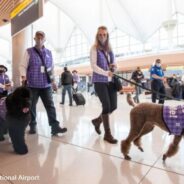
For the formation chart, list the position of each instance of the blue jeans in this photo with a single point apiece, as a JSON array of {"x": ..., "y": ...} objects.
[
  {"x": 137, "y": 93},
  {"x": 67, "y": 88},
  {"x": 46, "y": 96}
]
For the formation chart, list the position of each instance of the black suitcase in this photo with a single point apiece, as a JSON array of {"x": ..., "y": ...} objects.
[{"x": 79, "y": 99}]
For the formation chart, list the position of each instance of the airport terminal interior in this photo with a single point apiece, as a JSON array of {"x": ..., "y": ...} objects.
[{"x": 140, "y": 33}]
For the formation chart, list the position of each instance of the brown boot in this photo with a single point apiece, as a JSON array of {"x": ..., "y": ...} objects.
[
  {"x": 96, "y": 122},
  {"x": 108, "y": 137}
]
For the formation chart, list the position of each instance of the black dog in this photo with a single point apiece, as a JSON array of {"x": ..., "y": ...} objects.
[{"x": 17, "y": 118}]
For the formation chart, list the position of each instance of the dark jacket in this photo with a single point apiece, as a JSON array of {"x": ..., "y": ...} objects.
[
  {"x": 66, "y": 78},
  {"x": 137, "y": 76}
]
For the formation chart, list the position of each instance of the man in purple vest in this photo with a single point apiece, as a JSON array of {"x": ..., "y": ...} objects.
[{"x": 34, "y": 71}]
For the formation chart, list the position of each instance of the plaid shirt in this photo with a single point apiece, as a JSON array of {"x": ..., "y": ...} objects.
[
  {"x": 102, "y": 63},
  {"x": 3, "y": 108},
  {"x": 174, "y": 119},
  {"x": 4, "y": 79},
  {"x": 35, "y": 78}
]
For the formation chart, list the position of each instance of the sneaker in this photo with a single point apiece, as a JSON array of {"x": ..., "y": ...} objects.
[
  {"x": 70, "y": 105},
  {"x": 61, "y": 103},
  {"x": 32, "y": 129},
  {"x": 57, "y": 129}
]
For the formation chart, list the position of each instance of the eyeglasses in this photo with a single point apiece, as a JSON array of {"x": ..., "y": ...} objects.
[{"x": 102, "y": 34}]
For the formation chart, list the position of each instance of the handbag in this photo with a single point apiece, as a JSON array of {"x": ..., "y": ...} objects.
[
  {"x": 117, "y": 83},
  {"x": 115, "y": 80},
  {"x": 49, "y": 73}
]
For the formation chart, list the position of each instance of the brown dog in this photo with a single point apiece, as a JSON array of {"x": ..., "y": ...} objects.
[{"x": 143, "y": 118}]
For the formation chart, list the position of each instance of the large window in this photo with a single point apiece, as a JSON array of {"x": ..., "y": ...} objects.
[
  {"x": 77, "y": 47},
  {"x": 77, "y": 50},
  {"x": 119, "y": 42},
  {"x": 69, "y": 45},
  {"x": 123, "y": 44},
  {"x": 168, "y": 39}
]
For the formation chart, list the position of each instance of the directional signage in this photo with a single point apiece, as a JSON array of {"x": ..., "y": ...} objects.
[{"x": 24, "y": 14}]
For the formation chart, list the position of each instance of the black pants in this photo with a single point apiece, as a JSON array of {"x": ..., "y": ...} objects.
[
  {"x": 107, "y": 95},
  {"x": 158, "y": 87},
  {"x": 3, "y": 94},
  {"x": 2, "y": 127},
  {"x": 182, "y": 91},
  {"x": 16, "y": 129},
  {"x": 46, "y": 96}
]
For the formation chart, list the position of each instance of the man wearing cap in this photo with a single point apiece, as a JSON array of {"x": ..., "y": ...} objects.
[
  {"x": 157, "y": 82},
  {"x": 34, "y": 70},
  {"x": 5, "y": 83}
]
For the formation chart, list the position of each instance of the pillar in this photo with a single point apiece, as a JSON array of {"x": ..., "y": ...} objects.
[{"x": 20, "y": 42}]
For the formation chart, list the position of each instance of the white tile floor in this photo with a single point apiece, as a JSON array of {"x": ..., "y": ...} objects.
[{"x": 81, "y": 156}]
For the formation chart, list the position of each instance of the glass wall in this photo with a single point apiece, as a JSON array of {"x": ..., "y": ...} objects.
[
  {"x": 77, "y": 48},
  {"x": 70, "y": 46},
  {"x": 124, "y": 45}
]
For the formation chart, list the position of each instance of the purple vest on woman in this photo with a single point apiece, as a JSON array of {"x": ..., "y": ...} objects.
[
  {"x": 35, "y": 78},
  {"x": 102, "y": 63},
  {"x": 4, "y": 79}
]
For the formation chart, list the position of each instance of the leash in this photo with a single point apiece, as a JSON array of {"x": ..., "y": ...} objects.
[{"x": 152, "y": 91}]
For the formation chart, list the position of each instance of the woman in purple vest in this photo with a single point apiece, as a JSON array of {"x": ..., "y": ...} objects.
[
  {"x": 34, "y": 69},
  {"x": 5, "y": 84},
  {"x": 102, "y": 63}
]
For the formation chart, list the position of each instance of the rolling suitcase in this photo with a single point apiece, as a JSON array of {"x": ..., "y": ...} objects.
[{"x": 78, "y": 98}]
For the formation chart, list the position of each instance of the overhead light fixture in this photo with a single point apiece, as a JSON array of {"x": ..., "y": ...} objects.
[{"x": 170, "y": 24}]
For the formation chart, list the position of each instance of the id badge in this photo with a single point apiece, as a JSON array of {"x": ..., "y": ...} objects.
[
  {"x": 42, "y": 69},
  {"x": 49, "y": 69}
]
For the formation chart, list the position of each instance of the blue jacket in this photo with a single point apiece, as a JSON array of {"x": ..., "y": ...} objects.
[{"x": 157, "y": 71}]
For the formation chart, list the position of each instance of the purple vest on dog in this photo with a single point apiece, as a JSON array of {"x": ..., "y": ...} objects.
[
  {"x": 174, "y": 119},
  {"x": 35, "y": 78},
  {"x": 102, "y": 63},
  {"x": 3, "y": 108}
]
